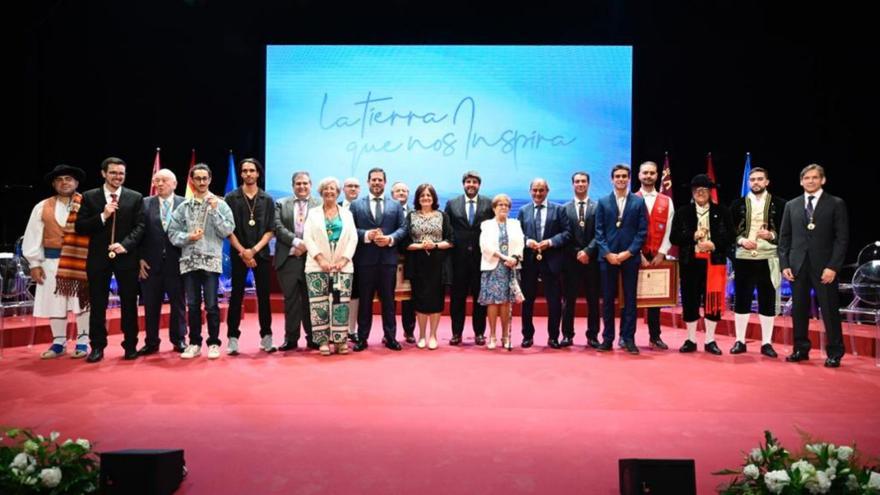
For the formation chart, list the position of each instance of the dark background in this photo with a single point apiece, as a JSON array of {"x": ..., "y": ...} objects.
[{"x": 790, "y": 84}]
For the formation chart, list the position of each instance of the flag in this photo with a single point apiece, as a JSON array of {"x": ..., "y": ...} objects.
[
  {"x": 710, "y": 171},
  {"x": 666, "y": 177},
  {"x": 156, "y": 167},
  {"x": 230, "y": 175},
  {"x": 747, "y": 170},
  {"x": 226, "y": 276},
  {"x": 190, "y": 190}
]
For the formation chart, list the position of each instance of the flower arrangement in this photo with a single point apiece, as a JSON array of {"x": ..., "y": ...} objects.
[
  {"x": 821, "y": 468},
  {"x": 31, "y": 463}
]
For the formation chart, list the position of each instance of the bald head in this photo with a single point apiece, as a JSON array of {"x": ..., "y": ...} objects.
[{"x": 165, "y": 182}]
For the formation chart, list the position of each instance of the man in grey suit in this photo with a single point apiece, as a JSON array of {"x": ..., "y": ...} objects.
[
  {"x": 290, "y": 259},
  {"x": 812, "y": 245}
]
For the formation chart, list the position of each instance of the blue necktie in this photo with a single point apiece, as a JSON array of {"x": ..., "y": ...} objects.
[
  {"x": 539, "y": 236},
  {"x": 470, "y": 211},
  {"x": 810, "y": 208}
]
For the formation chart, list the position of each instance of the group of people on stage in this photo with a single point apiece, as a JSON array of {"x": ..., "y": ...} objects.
[{"x": 338, "y": 248}]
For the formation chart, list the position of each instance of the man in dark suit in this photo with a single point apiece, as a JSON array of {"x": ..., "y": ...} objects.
[
  {"x": 581, "y": 261},
  {"x": 465, "y": 213},
  {"x": 621, "y": 227},
  {"x": 113, "y": 218},
  {"x": 381, "y": 227},
  {"x": 400, "y": 192},
  {"x": 160, "y": 266},
  {"x": 545, "y": 227},
  {"x": 812, "y": 245},
  {"x": 290, "y": 259}
]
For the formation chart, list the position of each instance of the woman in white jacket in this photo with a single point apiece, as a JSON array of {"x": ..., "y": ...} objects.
[
  {"x": 501, "y": 243},
  {"x": 331, "y": 239}
]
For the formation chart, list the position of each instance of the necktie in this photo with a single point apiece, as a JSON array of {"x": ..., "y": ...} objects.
[
  {"x": 113, "y": 197},
  {"x": 377, "y": 215},
  {"x": 470, "y": 211},
  {"x": 539, "y": 236},
  {"x": 300, "y": 218},
  {"x": 581, "y": 212},
  {"x": 165, "y": 209},
  {"x": 810, "y": 208}
]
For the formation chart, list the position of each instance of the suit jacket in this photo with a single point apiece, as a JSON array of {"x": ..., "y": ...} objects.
[
  {"x": 156, "y": 248},
  {"x": 555, "y": 228},
  {"x": 826, "y": 244},
  {"x": 581, "y": 238},
  {"x": 721, "y": 232},
  {"x": 285, "y": 225},
  {"x": 633, "y": 228},
  {"x": 129, "y": 227},
  {"x": 466, "y": 236},
  {"x": 392, "y": 223}
]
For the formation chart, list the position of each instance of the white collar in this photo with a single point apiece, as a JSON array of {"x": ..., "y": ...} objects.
[
  {"x": 756, "y": 199},
  {"x": 646, "y": 193},
  {"x": 816, "y": 195}
]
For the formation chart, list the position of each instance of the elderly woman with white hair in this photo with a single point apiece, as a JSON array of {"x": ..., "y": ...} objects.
[{"x": 331, "y": 239}]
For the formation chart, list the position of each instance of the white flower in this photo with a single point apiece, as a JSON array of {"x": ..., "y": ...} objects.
[
  {"x": 815, "y": 448},
  {"x": 805, "y": 469},
  {"x": 852, "y": 483},
  {"x": 751, "y": 471},
  {"x": 22, "y": 461},
  {"x": 82, "y": 442},
  {"x": 54, "y": 436},
  {"x": 756, "y": 455},
  {"x": 67, "y": 442},
  {"x": 772, "y": 449},
  {"x": 832, "y": 463},
  {"x": 50, "y": 477},
  {"x": 874, "y": 481},
  {"x": 821, "y": 484},
  {"x": 830, "y": 472},
  {"x": 31, "y": 480},
  {"x": 844, "y": 453},
  {"x": 832, "y": 450},
  {"x": 776, "y": 481},
  {"x": 31, "y": 446},
  {"x": 41, "y": 438}
]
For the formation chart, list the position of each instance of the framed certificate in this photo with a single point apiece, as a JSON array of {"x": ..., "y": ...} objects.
[{"x": 657, "y": 286}]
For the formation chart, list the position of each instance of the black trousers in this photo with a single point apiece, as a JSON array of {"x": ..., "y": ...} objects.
[
  {"x": 99, "y": 293},
  {"x": 575, "y": 277},
  {"x": 292, "y": 279},
  {"x": 693, "y": 290},
  {"x": 552, "y": 294},
  {"x": 373, "y": 279},
  {"x": 749, "y": 275},
  {"x": 261, "y": 280},
  {"x": 153, "y": 289},
  {"x": 408, "y": 316},
  {"x": 466, "y": 282},
  {"x": 809, "y": 277}
]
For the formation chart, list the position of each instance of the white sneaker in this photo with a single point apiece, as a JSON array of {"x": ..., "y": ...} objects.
[
  {"x": 213, "y": 351},
  {"x": 191, "y": 351},
  {"x": 232, "y": 346},
  {"x": 266, "y": 344}
]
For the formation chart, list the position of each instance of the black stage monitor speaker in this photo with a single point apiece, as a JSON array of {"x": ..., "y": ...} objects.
[
  {"x": 657, "y": 477},
  {"x": 142, "y": 471}
]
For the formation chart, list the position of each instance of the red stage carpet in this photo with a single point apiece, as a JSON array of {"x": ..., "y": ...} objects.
[{"x": 452, "y": 421}]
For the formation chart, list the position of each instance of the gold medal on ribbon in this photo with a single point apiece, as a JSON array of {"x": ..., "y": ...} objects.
[
  {"x": 111, "y": 254},
  {"x": 811, "y": 226}
]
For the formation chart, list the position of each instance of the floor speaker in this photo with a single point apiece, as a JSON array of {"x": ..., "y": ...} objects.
[
  {"x": 142, "y": 472},
  {"x": 657, "y": 477}
]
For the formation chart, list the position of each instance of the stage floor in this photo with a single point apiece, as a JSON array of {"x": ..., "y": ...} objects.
[{"x": 457, "y": 420}]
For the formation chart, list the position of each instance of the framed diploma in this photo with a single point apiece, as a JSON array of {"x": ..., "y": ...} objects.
[{"x": 657, "y": 286}]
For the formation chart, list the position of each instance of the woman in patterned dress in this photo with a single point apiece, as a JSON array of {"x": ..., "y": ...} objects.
[
  {"x": 427, "y": 264},
  {"x": 331, "y": 239},
  {"x": 501, "y": 242}
]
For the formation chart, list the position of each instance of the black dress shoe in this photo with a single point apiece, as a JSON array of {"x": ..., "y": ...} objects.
[
  {"x": 393, "y": 345},
  {"x": 526, "y": 343},
  {"x": 621, "y": 344},
  {"x": 311, "y": 345},
  {"x": 712, "y": 348},
  {"x": 553, "y": 344},
  {"x": 95, "y": 355},
  {"x": 478, "y": 340},
  {"x": 796, "y": 356},
  {"x": 631, "y": 347},
  {"x": 832, "y": 362},
  {"x": 566, "y": 342},
  {"x": 410, "y": 338},
  {"x": 688, "y": 346},
  {"x": 179, "y": 347},
  {"x": 605, "y": 346},
  {"x": 360, "y": 346},
  {"x": 593, "y": 342},
  {"x": 455, "y": 340},
  {"x": 288, "y": 346},
  {"x": 147, "y": 350},
  {"x": 659, "y": 344},
  {"x": 768, "y": 351},
  {"x": 130, "y": 355},
  {"x": 738, "y": 347}
]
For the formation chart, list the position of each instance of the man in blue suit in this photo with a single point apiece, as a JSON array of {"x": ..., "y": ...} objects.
[
  {"x": 381, "y": 227},
  {"x": 621, "y": 228},
  {"x": 545, "y": 227},
  {"x": 160, "y": 266}
]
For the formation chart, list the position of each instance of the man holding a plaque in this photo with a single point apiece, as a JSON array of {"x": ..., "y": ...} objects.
[
  {"x": 660, "y": 213},
  {"x": 621, "y": 227},
  {"x": 756, "y": 218},
  {"x": 703, "y": 233},
  {"x": 545, "y": 227},
  {"x": 812, "y": 245},
  {"x": 581, "y": 263},
  {"x": 113, "y": 218}
]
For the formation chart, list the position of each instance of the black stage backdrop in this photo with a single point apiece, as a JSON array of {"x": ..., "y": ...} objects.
[{"x": 792, "y": 85}]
